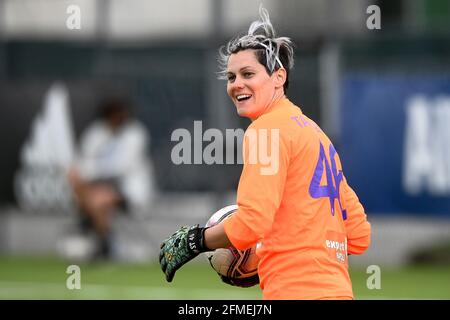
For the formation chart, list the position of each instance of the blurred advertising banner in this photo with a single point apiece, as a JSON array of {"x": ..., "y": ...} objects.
[
  {"x": 396, "y": 142},
  {"x": 40, "y": 123},
  {"x": 40, "y": 182}
]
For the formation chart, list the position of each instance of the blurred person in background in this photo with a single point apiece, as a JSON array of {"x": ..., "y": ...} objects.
[{"x": 112, "y": 172}]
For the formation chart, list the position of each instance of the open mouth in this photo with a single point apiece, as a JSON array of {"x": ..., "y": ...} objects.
[{"x": 243, "y": 97}]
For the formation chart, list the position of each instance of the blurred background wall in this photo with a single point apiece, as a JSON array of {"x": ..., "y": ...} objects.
[{"x": 383, "y": 96}]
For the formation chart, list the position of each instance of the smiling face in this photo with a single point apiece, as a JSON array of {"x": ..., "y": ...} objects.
[{"x": 252, "y": 90}]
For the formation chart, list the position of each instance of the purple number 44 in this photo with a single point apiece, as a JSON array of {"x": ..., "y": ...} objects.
[{"x": 331, "y": 189}]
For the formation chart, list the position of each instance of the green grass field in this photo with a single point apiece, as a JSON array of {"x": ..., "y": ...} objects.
[{"x": 45, "y": 278}]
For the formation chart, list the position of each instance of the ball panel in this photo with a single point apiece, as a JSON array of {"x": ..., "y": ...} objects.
[
  {"x": 231, "y": 262},
  {"x": 220, "y": 215}
]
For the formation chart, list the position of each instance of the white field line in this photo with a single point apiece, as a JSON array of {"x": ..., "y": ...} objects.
[
  {"x": 385, "y": 298},
  {"x": 32, "y": 290}
]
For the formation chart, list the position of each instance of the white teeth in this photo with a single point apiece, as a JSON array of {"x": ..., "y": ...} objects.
[{"x": 243, "y": 96}]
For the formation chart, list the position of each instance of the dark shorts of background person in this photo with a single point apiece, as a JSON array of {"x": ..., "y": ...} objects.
[
  {"x": 85, "y": 222},
  {"x": 123, "y": 203}
]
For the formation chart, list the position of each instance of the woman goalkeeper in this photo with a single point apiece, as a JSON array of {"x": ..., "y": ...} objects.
[{"x": 303, "y": 214}]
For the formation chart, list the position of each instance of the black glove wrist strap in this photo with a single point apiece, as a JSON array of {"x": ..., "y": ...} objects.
[{"x": 196, "y": 240}]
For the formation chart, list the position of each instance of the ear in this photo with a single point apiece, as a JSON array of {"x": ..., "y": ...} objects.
[{"x": 280, "y": 77}]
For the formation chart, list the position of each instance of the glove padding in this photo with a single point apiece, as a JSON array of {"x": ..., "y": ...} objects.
[
  {"x": 181, "y": 247},
  {"x": 241, "y": 282}
]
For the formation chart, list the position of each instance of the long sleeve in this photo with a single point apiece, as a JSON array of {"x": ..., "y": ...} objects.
[
  {"x": 261, "y": 186},
  {"x": 357, "y": 226}
]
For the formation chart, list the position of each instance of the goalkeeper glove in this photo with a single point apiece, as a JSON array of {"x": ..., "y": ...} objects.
[{"x": 181, "y": 247}]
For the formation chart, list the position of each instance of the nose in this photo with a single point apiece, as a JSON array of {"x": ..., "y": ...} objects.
[{"x": 236, "y": 84}]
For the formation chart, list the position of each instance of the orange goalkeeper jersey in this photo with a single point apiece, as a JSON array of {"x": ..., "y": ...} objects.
[{"x": 294, "y": 201}]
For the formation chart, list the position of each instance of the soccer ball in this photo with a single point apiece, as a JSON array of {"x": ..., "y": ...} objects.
[{"x": 235, "y": 267}]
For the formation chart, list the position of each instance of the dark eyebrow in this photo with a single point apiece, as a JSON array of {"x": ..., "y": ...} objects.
[
  {"x": 240, "y": 70},
  {"x": 244, "y": 68}
]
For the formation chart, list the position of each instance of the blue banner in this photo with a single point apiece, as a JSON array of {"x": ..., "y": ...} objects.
[{"x": 395, "y": 142}]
